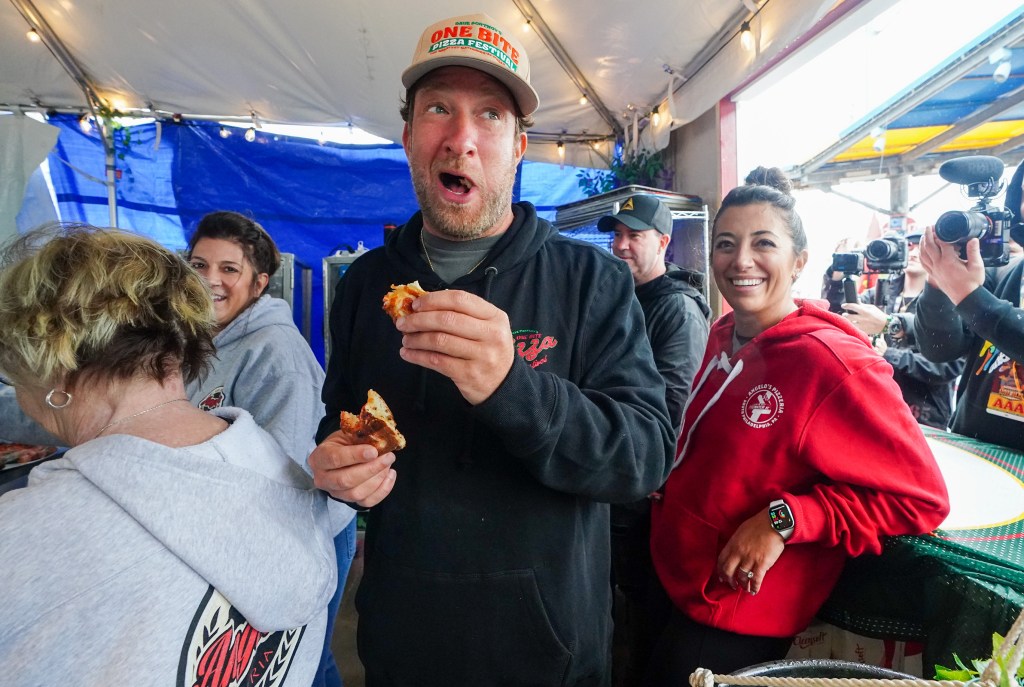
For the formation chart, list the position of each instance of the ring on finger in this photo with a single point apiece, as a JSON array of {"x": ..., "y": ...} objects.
[{"x": 749, "y": 574}]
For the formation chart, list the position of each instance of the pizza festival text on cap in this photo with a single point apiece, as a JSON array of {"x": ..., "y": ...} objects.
[
  {"x": 475, "y": 41},
  {"x": 485, "y": 38}
]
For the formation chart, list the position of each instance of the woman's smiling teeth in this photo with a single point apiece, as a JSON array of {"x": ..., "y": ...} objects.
[{"x": 746, "y": 282}]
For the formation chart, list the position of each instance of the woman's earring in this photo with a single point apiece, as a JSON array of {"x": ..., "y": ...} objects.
[{"x": 55, "y": 406}]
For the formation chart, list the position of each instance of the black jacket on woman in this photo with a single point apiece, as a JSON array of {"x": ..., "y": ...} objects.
[{"x": 488, "y": 563}]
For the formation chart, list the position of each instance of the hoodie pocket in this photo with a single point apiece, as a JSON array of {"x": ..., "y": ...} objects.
[
  {"x": 685, "y": 548},
  {"x": 425, "y": 628}
]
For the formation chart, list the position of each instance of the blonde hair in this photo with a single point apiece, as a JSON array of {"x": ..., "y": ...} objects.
[{"x": 77, "y": 301}]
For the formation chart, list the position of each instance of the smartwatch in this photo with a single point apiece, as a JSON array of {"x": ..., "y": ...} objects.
[
  {"x": 895, "y": 328},
  {"x": 782, "y": 518}
]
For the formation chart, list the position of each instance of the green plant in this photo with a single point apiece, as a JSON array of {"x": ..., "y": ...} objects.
[
  {"x": 964, "y": 673},
  {"x": 641, "y": 167},
  {"x": 120, "y": 135}
]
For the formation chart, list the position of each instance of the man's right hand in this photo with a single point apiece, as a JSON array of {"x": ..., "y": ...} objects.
[
  {"x": 352, "y": 473},
  {"x": 947, "y": 272}
]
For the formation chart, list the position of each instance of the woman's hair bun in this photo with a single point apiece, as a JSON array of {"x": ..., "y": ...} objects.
[{"x": 770, "y": 176}]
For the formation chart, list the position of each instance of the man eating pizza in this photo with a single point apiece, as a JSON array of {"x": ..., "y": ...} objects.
[{"x": 486, "y": 546}]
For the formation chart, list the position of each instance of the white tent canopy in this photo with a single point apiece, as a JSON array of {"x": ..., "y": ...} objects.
[{"x": 338, "y": 63}]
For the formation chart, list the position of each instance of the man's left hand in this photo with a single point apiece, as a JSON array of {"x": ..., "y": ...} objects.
[
  {"x": 463, "y": 337},
  {"x": 865, "y": 317}
]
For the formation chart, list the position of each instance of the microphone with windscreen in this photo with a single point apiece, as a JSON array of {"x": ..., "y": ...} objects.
[
  {"x": 973, "y": 169},
  {"x": 980, "y": 176}
]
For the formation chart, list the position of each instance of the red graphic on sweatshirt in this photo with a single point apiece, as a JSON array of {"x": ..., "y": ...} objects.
[
  {"x": 214, "y": 399},
  {"x": 530, "y": 344},
  {"x": 223, "y": 650},
  {"x": 763, "y": 406}
]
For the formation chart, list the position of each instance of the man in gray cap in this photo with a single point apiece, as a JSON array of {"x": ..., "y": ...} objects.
[
  {"x": 527, "y": 401},
  {"x": 676, "y": 318}
]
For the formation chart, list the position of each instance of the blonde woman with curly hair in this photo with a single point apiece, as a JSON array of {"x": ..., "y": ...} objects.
[{"x": 169, "y": 545}]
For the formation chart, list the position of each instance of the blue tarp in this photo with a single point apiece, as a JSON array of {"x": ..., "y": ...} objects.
[{"x": 312, "y": 198}]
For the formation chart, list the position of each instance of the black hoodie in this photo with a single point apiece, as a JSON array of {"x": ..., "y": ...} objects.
[
  {"x": 676, "y": 315},
  {"x": 488, "y": 563}
]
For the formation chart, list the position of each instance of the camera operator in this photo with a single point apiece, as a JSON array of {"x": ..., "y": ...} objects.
[
  {"x": 927, "y": 386},
  {"x": 966, "y": 309}
]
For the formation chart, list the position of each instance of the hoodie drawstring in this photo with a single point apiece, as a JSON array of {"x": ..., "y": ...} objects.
[
  {"x": 723, "y": 363},
  {"x": 489, "y": 274},
  {"x": 466, "y": 456}
]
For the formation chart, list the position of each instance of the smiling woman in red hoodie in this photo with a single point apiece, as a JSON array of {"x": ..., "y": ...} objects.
[{"x": 797, "y": 453}]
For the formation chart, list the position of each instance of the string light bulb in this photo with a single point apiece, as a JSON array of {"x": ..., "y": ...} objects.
[
  {"x": 878, "y": 139},
  {"x": 1001, "y": 57},
  {"x": 33, "y": 36},
  {"x": 85, "y": 124},
  {"x": 655, "y": 116},
  {"x": 583, "y": 99},
  {"x": 527, "y": 25},
  {"x": 224, "y": 132},
  {"x": 250, "y": 134},
  {"x": 746, "y": 36}
]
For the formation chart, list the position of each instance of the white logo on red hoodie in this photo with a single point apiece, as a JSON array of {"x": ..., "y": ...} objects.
[{"x": 763, "y": 406}]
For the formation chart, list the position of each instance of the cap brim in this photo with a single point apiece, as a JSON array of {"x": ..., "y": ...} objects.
[
  {"x": 526, "y": 98},
  {"x": 608, "y": 222}
]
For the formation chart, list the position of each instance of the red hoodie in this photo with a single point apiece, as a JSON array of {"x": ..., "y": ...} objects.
[{"x": 809, "y": 413}]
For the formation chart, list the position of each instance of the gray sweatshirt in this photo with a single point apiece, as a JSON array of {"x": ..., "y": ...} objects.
[
  {"x": 265, "y": 366},
  {"x": 128, "y": 562}
]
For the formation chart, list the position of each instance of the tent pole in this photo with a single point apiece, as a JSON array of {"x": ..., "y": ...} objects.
[
  {"x": 111, "y": 184},
  {"x": 107, "y": 136}
]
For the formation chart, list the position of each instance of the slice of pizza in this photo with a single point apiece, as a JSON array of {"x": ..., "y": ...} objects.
[
  {"x": 374, "y": 425},
  {"x": 398, "y": 301}
]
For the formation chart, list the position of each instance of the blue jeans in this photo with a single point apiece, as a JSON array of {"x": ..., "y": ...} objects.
[{"x": 345, "y": 548}]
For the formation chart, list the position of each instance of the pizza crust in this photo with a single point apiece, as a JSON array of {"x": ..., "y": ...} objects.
[
  {"x": 398, "y": 301},
  {"x": 374, "y": 425}
]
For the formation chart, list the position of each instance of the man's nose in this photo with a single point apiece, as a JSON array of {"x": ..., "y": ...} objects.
[{"x": 461, "y": 135}]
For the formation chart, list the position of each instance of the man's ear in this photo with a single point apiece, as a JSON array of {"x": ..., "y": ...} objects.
[{"x": 520, "y": 147}]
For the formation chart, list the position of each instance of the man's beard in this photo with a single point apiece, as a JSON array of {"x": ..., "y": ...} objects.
[{"x": 461, "y": 222}]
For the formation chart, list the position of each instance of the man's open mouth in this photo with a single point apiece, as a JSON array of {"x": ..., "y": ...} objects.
[{"x": 456, "y": 183}]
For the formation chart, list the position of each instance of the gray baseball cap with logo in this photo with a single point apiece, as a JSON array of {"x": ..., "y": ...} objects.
[{"x": 640, "y": 213}]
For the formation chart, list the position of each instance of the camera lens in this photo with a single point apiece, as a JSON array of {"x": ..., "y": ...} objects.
[
  {"x": 881, "y": 249},
  {"x": 956, "y": 226}
]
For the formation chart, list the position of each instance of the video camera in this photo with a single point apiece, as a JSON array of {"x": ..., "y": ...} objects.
[
  {"x": 887, "y": 255},
  {"x": 980, "y": 176}
]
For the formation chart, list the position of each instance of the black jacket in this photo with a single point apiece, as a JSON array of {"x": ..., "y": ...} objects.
[
  {"x": 987, "y": 327},
  {"x": 488, "y": 563},
  {"x": 927, "y": 386},
  {"x": 676, "y": 316}
]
